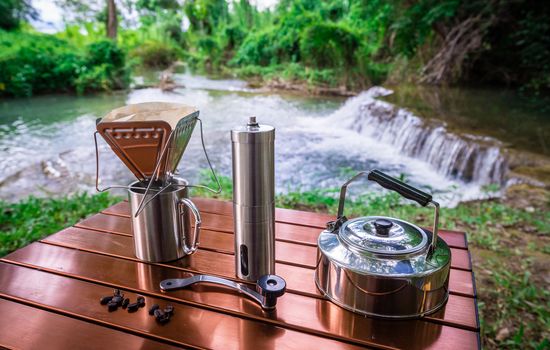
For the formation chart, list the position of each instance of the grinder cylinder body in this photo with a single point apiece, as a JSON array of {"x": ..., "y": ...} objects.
[{"x": 253, "y": 154}]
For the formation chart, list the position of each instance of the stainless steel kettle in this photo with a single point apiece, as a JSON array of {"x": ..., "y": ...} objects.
[{"x": 383, "y": 266}]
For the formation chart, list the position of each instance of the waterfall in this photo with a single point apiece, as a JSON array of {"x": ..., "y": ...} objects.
[{"x": 461, "y": 156}]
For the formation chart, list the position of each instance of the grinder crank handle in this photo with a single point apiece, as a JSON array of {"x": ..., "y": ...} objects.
[
  {"x": 400, "y": 187},
  {"x": 268, "y": 287}
]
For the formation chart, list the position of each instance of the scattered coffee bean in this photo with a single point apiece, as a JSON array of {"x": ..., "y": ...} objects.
[
  {"x": 112, "y": 306},
  {"x": 153, "y": 308},
  {"x": 141, "y": 300},
  {"x": 133, "y": 307},
  {"x": 169, "y": 309},
  {"x": 125, "y": 303},
  {"x": 105, "y": 300},
  {"x": 163, "y": 320},
  {"x": 159, "y": 313},
  {"x": 117, "y": 299}
]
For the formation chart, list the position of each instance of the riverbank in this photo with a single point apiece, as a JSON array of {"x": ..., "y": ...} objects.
[{"x": 509, "y": 238}]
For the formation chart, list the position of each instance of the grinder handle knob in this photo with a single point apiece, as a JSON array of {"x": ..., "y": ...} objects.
[{"x": 270, "y": 287}]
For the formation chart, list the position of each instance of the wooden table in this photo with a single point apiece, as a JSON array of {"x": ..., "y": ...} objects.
[{"x": 50, "y": 291}]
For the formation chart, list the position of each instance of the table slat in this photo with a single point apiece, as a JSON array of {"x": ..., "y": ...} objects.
[
  {"x": 190, "y": 326},
  {"x": 306, "y": 235},
  {"x": 286, "y": 252},
  {"x": 460, "y": 281},
  {"x": 27, "y": 327}
]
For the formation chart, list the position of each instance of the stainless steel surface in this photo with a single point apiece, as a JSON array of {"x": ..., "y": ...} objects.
[
  {"x": 253, "y": 199},
  {"x": 409, "y": 286},
  {"x": 162, "y": 229},
  {"x": 436, "y": 224},
  {"x": 402, "y": 238},
  {"x": 268, "y": 287},
  {"x": 177, "y": 283},
  {"x": 383, "y": 266}
]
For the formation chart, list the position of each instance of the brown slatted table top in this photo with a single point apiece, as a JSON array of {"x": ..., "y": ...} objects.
[{"x": 50, "y": 291}]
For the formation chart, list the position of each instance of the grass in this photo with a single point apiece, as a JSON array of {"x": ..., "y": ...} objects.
[
  {"x": 33, "y": 218},
  {"x": 510, "y": 247}
]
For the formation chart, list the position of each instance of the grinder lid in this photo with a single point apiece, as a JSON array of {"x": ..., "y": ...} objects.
[{"x": 383, "y": 236}]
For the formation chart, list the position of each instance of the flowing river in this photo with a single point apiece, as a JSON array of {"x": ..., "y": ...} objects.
[{"x": 48, "y": 149}]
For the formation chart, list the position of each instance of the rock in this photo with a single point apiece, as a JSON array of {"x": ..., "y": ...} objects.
[{"x": 502, "y": 334}]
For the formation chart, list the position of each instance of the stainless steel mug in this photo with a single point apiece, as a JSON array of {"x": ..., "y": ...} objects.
[
  {"x": 162, "y": 229},
  {"x": 254, "y": 199}
]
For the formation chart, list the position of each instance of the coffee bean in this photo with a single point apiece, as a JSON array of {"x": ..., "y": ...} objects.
[
  {"x": 169, "y": 309},
  {"x": 163, "y": 320},
  {"x": 133, "y": 307},
  {"x": 105, "y": 300},
  {"x": 117, "y": 299},
  {"x": 125, "y": 303},
  {"x": 112, "y": 306},
  {"x": 153, "y": 308},
  {"x": 159, "y": 313},
  {"x": 141, "y": 300}
]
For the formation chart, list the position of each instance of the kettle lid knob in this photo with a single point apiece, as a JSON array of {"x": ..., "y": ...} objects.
[{"x": 382, "y": 226}]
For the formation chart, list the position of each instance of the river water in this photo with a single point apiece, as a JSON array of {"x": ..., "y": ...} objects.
[{"x": 48, "y": 149}]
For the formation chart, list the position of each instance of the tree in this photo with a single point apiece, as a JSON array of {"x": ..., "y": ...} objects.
[
  {"x": 112, "y": 22},
  {"x": 12, "y": 12},
  {"x": 206, "y": 15},
  {"x": 79, "y": 11}
]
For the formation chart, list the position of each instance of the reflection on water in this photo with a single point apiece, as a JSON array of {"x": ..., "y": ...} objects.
[
  {"x": 47, "y": 142},
  {"x": 499, "y": 113}
]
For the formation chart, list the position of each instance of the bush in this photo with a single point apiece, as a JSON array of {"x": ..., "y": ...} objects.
[
  {"x": 155, "y": 54},
  {"x": 328, "y": 45},
  {"x": 105, "y": 51},
  {"x": 37, "y": 63},
  {"x": 257, "y": 49},
  {"x": 105, "y": 68},
  {"x": 32, "y": 63}
]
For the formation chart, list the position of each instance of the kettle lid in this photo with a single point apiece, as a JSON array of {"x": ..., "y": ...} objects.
[{"x": 382, "y": 235}]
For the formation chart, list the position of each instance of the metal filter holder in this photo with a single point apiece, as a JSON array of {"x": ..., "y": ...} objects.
[{"x": 150, "y": 138}]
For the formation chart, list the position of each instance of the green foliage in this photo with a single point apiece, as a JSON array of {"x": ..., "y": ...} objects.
[
  {"x": 206, "y": 15},
  {"x": 12, "y": 12},
  {"x": 416, "y": 23},
  {"x": 37, "y": 63},
  {"x": 328, "y": 45},
  {"x": 33, "y": 218},
  {"x": 514, "y": 295},
  {"x": 155, "y": 54},
  {"x": 206, "y": 179}
]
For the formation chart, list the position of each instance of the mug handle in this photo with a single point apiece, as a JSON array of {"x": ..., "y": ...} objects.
[{"x": 182, "y": 203}]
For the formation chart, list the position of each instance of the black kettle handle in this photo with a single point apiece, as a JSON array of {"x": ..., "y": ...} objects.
[
  {"x": 388, "y": 182},
  {"x": 407, "y": 191},
  {"x": 393, "y": 184}
]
